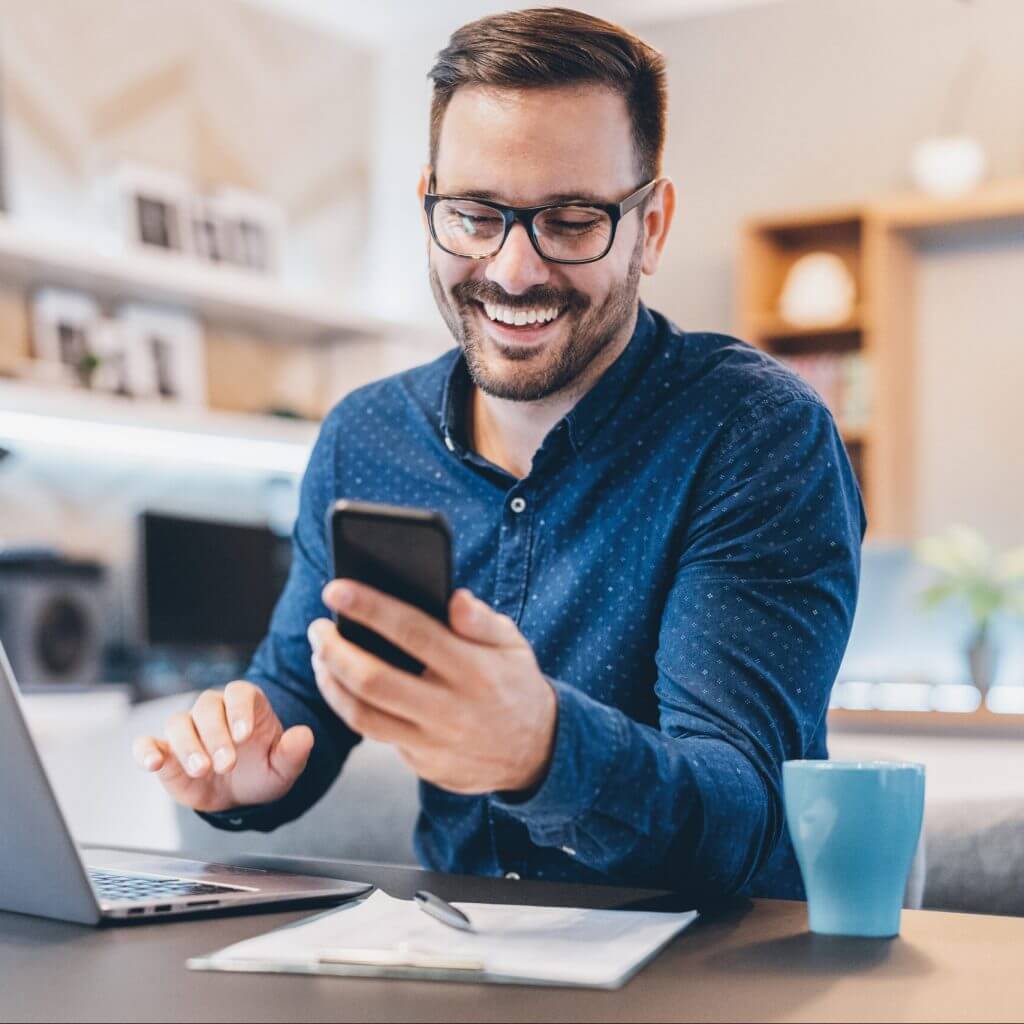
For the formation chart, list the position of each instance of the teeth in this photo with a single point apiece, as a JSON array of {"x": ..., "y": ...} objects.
[{"x": 520, "y": 317}]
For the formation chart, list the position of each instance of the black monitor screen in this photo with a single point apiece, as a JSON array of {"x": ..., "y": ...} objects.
[{"x": 210, "y": 583}]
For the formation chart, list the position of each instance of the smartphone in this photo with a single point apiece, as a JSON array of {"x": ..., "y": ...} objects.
[{"x": 404, "y": 552}]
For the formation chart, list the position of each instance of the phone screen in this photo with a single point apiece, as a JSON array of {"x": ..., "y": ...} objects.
[{"x": 403, "y": 552}]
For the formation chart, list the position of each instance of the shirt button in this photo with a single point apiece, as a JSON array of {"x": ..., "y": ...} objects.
[
  {"x": 517, "y": 505},
  {"x": 512, "y": 875},
  {"x": 569, "y": 850},
  {"x": 449, "y": 443}
]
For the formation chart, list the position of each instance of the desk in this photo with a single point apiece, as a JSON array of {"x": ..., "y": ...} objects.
[{"x": 755, "y": 961}]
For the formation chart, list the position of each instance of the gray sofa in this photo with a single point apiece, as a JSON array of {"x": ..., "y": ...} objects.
[
  {"x": 974, "y": 818},
  {"x": 975, "y": 857},
  {"x": 972, "y": 859},
  {"x": 368, "y": 814}
]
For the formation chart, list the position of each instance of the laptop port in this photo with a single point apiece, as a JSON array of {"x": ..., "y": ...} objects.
[
  {"x": 202, "y": 903},
  {"x": 162, "y": 908},
  {"x": 136, "y": 910}
]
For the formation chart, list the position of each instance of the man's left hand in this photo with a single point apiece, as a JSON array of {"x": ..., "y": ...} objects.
[{"x": 481, "y": 718}]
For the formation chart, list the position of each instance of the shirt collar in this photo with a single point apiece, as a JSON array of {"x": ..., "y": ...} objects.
[{"x": 588, "y": 413}]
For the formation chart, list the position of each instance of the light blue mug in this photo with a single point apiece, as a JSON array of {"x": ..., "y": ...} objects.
[{"x": 855, "y": 826}]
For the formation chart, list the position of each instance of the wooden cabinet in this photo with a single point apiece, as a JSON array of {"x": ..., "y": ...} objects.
[{"x": 875, "y": 347}]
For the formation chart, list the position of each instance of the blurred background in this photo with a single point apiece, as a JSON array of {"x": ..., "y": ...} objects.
[{"x": 209, "y": 234}]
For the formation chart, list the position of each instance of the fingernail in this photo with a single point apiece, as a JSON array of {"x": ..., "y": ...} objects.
[
  {"x": 195, "y": 764},
  {"x": 151, "y": 762},
  {"x": 239, "y": 730},
  {"x": 221, "y": 759}
]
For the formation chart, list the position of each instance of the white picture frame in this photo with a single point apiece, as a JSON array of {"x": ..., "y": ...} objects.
[
  {"x": 207, "y": 231},
  {"x": 165, "y": 354},
  {"x": 153, "y": 208},
  {"x": 65, "y": 327},
  {"x": 113, "y": 374},
  {"x": 253, "y": 229}
]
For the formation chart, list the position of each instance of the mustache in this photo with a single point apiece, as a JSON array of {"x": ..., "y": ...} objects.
[{"x": 484, "y": 291}]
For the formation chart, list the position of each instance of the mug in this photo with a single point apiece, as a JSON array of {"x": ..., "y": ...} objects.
[{"x": 855, "y": 826}]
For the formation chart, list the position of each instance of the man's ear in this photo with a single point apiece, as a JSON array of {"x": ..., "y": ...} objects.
[
  {"x": 660, "y": 208},
  {"x": 422, "y": 187}
]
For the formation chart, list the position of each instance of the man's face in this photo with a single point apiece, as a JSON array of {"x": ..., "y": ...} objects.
[{"x": 524, "y": 147}]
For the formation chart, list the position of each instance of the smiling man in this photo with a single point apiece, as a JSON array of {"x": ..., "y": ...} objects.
[{"x": 656, "y": 532}]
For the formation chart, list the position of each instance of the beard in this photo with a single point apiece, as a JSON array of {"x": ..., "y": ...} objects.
[{"x": 591, "y": 331}]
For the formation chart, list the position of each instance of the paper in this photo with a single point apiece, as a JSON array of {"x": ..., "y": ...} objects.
[{"x": 537, "y": 945}]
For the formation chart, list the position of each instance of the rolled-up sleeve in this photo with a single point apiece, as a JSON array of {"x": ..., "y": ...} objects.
[{"x": 752, "y": 633}]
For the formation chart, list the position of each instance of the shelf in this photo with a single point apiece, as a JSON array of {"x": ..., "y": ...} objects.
[
  {"x": 90, "y": 425},
  {"x": 819, "y": 227},
  {"x": 997, "y": 201},
  {"x": 979, "y": 722},
  {"x": 854, "y": 434},
  {"x": 220, "y": 294},
  {"x": 771, "y": 326}
]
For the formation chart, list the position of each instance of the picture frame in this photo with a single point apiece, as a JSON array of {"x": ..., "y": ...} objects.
[
  {"x": 253, "y": 229},
  {"x": 208, "y": 231},
  {"x": 153, "y": 207},
  {"x": 165, "y": 354},
  {"x": 65, "y": 329}
]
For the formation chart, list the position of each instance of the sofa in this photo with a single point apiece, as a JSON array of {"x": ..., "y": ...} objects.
[{"x": 972, "y": 857}]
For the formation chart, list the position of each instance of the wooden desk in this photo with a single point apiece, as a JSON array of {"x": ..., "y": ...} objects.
[{"x": 755, "y": 962}]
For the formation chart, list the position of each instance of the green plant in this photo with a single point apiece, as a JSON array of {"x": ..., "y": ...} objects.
[{"x": 986, "y": 581}]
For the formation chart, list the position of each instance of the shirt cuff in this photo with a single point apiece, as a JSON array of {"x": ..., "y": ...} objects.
[
  {"x": 253, "y": 818},
  {"x": 589, "y": 738}
]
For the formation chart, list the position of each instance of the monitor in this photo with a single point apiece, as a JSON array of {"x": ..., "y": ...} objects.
[{"x": 209, "y": 583}]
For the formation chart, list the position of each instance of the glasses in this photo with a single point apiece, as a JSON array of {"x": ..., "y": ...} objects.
[{"x": 560, "y": 232}]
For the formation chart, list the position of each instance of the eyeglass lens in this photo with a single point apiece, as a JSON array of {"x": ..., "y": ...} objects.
[{"x": 562, "y": 233}]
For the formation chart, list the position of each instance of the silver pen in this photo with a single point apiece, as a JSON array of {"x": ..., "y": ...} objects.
[{"x": 441, "y": 910}]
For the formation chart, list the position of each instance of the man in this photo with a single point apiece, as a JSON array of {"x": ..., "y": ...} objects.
[{"x": 656, "y": 533}]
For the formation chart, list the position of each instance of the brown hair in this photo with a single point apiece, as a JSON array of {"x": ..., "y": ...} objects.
[{"x": 552, "y": 46}]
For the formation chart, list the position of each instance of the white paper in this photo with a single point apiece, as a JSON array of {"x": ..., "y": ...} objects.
[{"x": 546, "y": 945}]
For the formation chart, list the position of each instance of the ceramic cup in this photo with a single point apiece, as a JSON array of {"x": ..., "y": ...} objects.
[{"x": 855, "y": 826}]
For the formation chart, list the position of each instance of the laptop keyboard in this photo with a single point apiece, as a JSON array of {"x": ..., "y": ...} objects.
[{"x": 110, "y": 885}]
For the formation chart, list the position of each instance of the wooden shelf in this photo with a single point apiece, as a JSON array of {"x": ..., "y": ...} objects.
[
  {"x": 980, "y": 722},
  {"x": 769, "y": 326},
  {"x": 219, "y": 294},
  {"x": 876, "y": 242},
  {"x": 802, "y": 226},
  {"x": 854, "y": 434},
  {"x": 996, "y": 201}
]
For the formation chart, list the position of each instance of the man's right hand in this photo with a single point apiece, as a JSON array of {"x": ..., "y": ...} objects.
[{"x": 229, "y": 751}]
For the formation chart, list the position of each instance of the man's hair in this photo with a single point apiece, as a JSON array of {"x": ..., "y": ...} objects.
[{"x": 553, "y": 46}]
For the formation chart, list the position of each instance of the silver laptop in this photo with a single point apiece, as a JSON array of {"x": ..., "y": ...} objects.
[{"x": 42, "y": 871}]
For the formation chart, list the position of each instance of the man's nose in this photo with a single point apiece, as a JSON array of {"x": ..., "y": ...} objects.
[{"x": 517, "y": 265}]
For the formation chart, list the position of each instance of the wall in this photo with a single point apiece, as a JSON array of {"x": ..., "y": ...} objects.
[
  {"x": 219, "y": 93},
  {"x": 821, "y": 102}
]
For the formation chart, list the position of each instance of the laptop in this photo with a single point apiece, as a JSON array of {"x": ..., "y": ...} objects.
[{"x": 43, "y": 872}]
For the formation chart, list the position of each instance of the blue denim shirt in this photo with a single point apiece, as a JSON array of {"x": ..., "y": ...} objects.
[{"x": 684, "y": 561}]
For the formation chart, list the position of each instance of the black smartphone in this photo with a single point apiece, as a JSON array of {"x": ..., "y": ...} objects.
[{"x": 404, "y": 552}]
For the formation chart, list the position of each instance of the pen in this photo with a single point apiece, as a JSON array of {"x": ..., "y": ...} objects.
[{"x": 441, "y": 910}]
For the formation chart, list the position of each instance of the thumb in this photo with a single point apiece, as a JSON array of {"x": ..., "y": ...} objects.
[
  {"x": 291, "y": 752},
  {"x": 472, "y": 619}
]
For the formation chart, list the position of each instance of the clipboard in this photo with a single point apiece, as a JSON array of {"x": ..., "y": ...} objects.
[{"x": 383, "y": 937}]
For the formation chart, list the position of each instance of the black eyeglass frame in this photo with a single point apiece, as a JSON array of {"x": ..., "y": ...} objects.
[{"x": 525, "y": 214}]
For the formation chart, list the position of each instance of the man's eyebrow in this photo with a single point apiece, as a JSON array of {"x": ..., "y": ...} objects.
[{"x": 560, "y": 197}]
